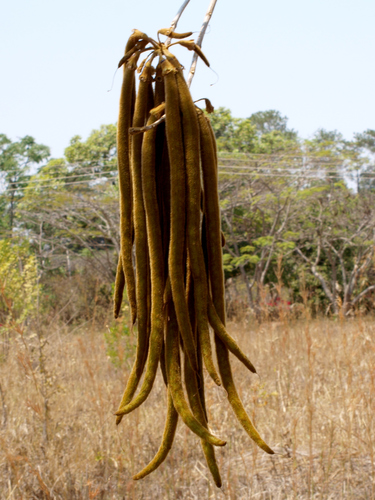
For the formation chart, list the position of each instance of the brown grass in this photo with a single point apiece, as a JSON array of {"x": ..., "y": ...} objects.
[{"x": 314, "y": 402}]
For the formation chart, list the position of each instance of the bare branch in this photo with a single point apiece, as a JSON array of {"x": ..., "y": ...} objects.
[
  {"x": 140, "y": 130},
  {"x": 363, "y": 293},
  {"x": 177, "y": 17},
  {"x": 200, "y": 40}
]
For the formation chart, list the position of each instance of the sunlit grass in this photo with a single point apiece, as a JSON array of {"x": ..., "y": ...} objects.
[{"x": 313, "y": 402}]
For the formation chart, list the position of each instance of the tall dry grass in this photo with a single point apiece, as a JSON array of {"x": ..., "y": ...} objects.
[{"x": 313, "y": 402}]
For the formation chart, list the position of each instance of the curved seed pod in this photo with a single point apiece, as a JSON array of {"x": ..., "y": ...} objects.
[
  {"x": 158, "y": 110},
  {"x": 172, "y": 34},
  {"x": 198, "y": 50},
  {"x": 191, "y": 305},
  {"x": 177, "y": 207},
  {"x": 162, "y": 365},
  {"x": 205, "y": 344},
  {"x": 172, "y": 355},
  {"x": 209, "y": 108},
  {"x": 212, "y": 212},
  {"x": 199, "y": 413},
  {"x": 167, "y": 441},
  {"x": 139, "y": 46},
  {"x": 119, "y": 289},
  {"x": 127, "y": 56},
  {"x": 223, "y": 239},
  {"x": 228, "y": 340},
  {"x": 196, "y": 259},
  {"x": 194, "y": 385},
  {"x": 123, "y": 161},
  {"x": 157, "y": 273},
  {"x": 233, "y": 397},
  {"x": 141, "y": 247},
  {"x": 189, "y": 44},
  {"x": 139, "y": 35}
]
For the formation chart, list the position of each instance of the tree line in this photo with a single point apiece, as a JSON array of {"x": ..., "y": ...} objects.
[{"x": 297, "y": 214}]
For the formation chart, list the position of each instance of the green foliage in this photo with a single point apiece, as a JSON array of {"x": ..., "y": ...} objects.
[
  {"x": 98, "y": 150},
  {"x": 16, "y": 159},
  {"x": 18, "y": 283},
  {"x": 263, "y": 241},
  {"x": 227, "y": 263},
  {"x": 271, "y": 121},
  {"x": 265, "y": 132},
  {"x": 289, "y": 195},
  {"x": 245, "y": 259}
]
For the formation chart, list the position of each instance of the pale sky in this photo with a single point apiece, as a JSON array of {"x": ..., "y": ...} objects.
[{"x": 313, "y": 60}]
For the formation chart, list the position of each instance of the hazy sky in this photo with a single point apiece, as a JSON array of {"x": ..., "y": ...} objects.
[{"x": 312, "y": 60}]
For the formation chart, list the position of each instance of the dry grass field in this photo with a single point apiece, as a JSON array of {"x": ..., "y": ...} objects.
[{"x": 313, "y": 402}]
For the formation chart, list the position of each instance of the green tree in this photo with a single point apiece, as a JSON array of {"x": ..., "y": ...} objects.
[
  {"x": 272, "y": 121},
  {"x": 71, "y": 206},
  {"x": 326, "y": 156},
  {"x": 333, "y": 234},
  {"x": 16, "y": 160},
  {"x": 265, "y": 132},
  {"x": 96, "y": 155}
]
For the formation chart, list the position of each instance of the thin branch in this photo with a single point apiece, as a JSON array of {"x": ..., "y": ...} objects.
[
  {"x": 362, "y": 294},
  {"x": 177, "y": 17},
  {"x": 200, "y": 40},
  {"x": 141, "y": 130}
]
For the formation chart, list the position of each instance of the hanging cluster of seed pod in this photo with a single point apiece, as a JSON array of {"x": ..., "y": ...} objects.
[{"x": 169, "y": 215}]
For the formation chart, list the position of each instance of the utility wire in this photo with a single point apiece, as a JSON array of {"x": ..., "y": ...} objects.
[{"x": 251, "y": 174}]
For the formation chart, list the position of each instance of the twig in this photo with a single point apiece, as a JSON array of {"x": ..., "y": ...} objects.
[
  {"x": 178, "y": 15},
  {"x": 200, "y": 40},
  {"x": 174, "y": 23},
  {"x": 140, "y": 130},
  {"x": 207, "y": 18}
]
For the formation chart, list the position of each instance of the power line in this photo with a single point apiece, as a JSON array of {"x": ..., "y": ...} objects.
[
  {"x": 249, "y": 172},
  {"x": 243, "y": 157},
  {"x": 59, "y": 186}
]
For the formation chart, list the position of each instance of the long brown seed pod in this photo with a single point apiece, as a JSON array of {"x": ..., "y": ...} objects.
[
  {"x": 189, "y": 44},
  {"x": 199, "y": 413},
  {"x": 228, "y": 340},
  {"x": 191, "y": 304},
  {"x": 177, "y": 207},
  {"x": 167, "y": 441},
  {"x": 157, "y": 273},
  {"x": 194, "y": 384},
  {"x": 123, "y": 160},
  {"x": 212, "y": 211},
  {"x": 172, "y": 354},
  {"x": 214, "y": 319},
  {"x": 233, "y": 397},
  {"x": 141, "y": 246},
  {"x": 191, "y": 146}
]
